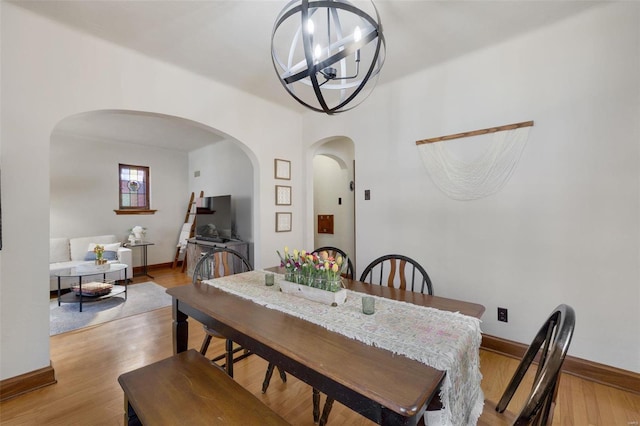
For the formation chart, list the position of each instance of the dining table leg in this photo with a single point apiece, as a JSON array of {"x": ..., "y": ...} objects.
[{"x": 180, "y": 328}]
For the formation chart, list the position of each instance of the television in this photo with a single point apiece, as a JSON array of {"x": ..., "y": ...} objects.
[{"x": 213, "y": 219}]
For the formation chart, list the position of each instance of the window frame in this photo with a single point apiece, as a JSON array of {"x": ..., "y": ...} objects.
[{"x": 146, "y": 209}]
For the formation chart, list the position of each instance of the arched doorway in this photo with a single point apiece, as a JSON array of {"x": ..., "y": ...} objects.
[
  {"x": 334, "y": 196},
  {"x": 86, "y": 149}
]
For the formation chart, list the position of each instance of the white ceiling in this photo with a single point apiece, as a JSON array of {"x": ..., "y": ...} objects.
[{"x": 229, "y": 41}]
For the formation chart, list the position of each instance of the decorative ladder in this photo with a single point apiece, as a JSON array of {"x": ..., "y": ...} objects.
[{"x": 191, "y": 211}]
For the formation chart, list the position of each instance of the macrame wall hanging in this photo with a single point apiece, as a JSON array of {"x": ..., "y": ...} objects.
[{"x": 483, "y": 176}]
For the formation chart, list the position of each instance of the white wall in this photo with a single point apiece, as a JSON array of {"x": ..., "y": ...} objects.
[
  {"x": 225, "y": 169},
  {"x": 84, "y": 192},
  {"x": 566, "y": 228},
  {"x": 64, "y": 73}
]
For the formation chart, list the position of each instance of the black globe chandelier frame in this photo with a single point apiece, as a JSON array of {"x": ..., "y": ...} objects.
[{"x": 323, "y": 67}]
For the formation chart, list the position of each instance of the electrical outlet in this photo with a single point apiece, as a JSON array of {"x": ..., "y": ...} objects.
[
  {"x": 367, "y": 194},
  {"x": 503, "y": 315}
]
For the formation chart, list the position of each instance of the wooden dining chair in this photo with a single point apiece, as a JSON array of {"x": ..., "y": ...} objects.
[
  {"x": 548, "y": 349},
  {"x": 334, "y": 252},
  {"x": 396, "y": 270},
  {"x": 390, "y": 269},
  {"x": 215, "y": 263}
]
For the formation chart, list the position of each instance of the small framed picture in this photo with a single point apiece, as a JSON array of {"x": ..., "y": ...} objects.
[
  {"x": 283, "y": 195},
  {"x": 283, "y": 222},
  {"x": 282, "y": 169}
]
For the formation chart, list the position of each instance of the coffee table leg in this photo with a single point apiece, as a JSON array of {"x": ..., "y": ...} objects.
[
  {"x": 58, "y": 290},
  {"x": 80, "y": 287}
]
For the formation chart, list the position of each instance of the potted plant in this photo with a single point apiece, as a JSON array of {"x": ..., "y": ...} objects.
[
  {"x": 99, "y": 251},
  {"x": 314, "y": 276}
]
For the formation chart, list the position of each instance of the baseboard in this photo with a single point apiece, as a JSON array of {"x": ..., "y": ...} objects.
[
  {"x": 27, "y": 382},
  {"x": 588, "y": 370},
  {"x": 138, "y": 270}
]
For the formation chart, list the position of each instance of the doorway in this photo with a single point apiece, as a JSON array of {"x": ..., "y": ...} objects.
[{"x": 334, "y": 196}]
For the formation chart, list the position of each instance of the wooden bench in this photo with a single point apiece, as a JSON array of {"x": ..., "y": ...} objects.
[{"x": 186, "y": 389}]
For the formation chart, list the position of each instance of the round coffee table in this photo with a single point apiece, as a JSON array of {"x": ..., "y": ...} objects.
[{"x": 88, "y": 270}]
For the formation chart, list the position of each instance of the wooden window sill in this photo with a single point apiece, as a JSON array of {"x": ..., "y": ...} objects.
[{"x": 119, "y": 212}]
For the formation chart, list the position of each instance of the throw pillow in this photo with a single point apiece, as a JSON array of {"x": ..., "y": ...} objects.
[
  {"x": 109, "y": 246},
  {"x": 107, "y": 254},
  {"x": 110, "y": 251},
  {"x": 59, "y": 250}
]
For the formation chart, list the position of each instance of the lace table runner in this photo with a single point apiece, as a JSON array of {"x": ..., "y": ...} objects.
[{"x": 444, "y": 340}]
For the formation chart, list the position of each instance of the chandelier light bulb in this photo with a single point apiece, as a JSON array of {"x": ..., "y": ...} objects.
[
  {"x": 326, "y": 51},
  {"x": 357, "y": 34}
]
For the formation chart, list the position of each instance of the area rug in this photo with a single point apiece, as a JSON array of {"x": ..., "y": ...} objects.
[{"x": 141, "y": 298}]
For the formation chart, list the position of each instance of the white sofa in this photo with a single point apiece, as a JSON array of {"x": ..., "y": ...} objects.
[{"x": 69, "y": 252}]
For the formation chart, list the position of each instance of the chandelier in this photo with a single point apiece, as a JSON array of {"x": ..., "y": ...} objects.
[{"x": 325, "y": 52}]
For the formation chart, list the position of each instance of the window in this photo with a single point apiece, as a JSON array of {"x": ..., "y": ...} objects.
[{"x": 134, "y": 190}]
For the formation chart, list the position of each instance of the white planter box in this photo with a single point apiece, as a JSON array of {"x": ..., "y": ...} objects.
[{"x": 314, "y": 294}]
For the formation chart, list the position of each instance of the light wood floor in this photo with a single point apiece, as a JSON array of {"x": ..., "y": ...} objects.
[{"x": 88, "y": 362}]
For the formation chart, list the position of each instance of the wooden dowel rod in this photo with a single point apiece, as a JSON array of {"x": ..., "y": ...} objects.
[{"x": 477, "y": 132}]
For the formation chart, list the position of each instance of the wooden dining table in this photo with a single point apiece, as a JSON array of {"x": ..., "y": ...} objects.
[{"x": 385, "y": 387}]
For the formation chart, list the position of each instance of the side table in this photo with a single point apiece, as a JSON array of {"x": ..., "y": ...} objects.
[{"x": 143, "y": 245}]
